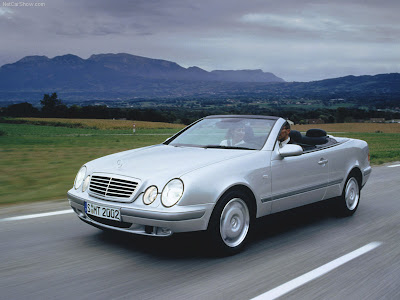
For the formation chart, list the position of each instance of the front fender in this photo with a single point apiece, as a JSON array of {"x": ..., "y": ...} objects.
[{"x": 206, "y": 185}]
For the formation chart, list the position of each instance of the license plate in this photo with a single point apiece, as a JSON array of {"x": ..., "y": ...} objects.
[{"x": 102, "y": 211}]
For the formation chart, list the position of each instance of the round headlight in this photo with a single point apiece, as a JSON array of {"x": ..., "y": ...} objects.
[
  {"x": 172, "y": 192},
  {"x": 86, "y": 184},
  {"x": 150, "y": 195},
  {"x": 79, "y": 177}
]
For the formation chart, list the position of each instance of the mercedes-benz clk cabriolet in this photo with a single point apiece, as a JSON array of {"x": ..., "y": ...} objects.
[{"x": 218, "y": 175}]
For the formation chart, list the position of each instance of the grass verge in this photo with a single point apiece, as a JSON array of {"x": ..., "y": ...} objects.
[{"x": 40, "y": 162}]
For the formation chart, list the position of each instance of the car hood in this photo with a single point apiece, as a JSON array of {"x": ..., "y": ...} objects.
[{"x": 161, "y": 161}]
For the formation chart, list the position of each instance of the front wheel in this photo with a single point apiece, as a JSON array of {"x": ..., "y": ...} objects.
[
  {"x": 230, "y": 223},
  {"x": 350, "y": 198}
]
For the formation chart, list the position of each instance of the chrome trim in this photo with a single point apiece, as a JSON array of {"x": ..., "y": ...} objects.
[
  {"x": 163, "y": 216},
  {"x": 301, "y": 191},
  {"x": 112, "y": 187}
]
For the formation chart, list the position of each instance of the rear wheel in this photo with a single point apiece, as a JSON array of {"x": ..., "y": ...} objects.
[
  {"x": 230, "y": 223},
  {"x": 350, "y": 198}
]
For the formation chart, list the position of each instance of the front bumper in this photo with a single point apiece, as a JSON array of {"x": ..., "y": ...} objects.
[
  {"x": 366, "y": 172},
  {"x": 146, "y": 222}
]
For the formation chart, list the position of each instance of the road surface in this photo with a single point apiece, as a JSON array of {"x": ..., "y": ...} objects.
[{"x": 305, "y": 253}]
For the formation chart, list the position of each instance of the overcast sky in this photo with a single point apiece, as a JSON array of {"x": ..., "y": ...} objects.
[{"x": 298, "y": 40}]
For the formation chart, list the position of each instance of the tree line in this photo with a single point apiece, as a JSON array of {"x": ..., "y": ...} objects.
[{"x": 53, "y": 107}]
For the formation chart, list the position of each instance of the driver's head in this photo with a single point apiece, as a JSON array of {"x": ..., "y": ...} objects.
[{"x": 284, "y": 134}]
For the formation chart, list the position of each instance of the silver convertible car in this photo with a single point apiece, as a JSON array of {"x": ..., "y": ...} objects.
[{"x": 218, "y": 175}]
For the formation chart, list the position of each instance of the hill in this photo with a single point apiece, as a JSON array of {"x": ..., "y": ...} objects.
[
  {"x": 128, "y": 77},
  {"x": 110, "y": 72}
]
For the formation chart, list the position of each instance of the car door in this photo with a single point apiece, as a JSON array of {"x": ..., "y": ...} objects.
[{"x": 298, "y": 180}]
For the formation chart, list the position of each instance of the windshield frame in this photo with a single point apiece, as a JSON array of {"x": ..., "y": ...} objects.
[{"x": 243, "y": 117}]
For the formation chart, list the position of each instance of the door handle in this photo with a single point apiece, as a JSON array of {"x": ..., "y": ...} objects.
[{"x": 323, "y": 161}]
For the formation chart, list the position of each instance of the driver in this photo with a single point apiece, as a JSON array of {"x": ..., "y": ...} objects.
[
  {"x": 234, "y": 136},
  {"x": 283, "y": 137}
]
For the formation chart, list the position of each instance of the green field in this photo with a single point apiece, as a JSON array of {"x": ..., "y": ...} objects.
[
  {"x": 383, "y": 147},
  {"x": 40, "y": 162}
]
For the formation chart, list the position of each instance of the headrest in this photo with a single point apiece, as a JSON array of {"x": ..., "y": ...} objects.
[
  {"x": 315, "y": 140},
  {"x": 295, "y": 136},
  {"x": 315, "y": 133}
]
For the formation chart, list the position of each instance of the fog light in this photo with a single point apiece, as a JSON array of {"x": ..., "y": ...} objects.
[{"x": 164, "y": 231}]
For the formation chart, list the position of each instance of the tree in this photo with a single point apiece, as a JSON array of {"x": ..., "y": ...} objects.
[
  {"x": 74, "y": 111},
  {"x": 21, "y": 110},
  {"x": 341, "y": 114},
  {"x": 50, "y": 102},
  {"x": 51, "y": 105}
]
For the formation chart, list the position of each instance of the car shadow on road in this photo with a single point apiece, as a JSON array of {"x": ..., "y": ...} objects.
[
  {"x": 294, "y": 219},
  {"x": 197, "y": 245},
  {"x": 183, "y": 245}
]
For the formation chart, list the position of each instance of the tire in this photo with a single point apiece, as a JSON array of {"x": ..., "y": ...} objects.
[
  {"x": 350, "y": 198},
  {"x": 230, "y": 222}
]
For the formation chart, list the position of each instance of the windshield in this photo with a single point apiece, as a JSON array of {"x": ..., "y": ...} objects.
[{"x": 226, "y": 133}]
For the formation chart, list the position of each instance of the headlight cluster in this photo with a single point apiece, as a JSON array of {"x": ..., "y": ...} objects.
[
  {"x": 150, "y": 195},
  {"x": 172, "y": 192},
  {"x": 80, "y": 178},
  {"x": 86, "y": 183},
  {"x": 170, "y": 195}
]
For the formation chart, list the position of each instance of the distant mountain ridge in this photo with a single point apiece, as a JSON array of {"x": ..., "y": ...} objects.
[
  {"x": 107, "y": 70},
  {"x": 125, "y": 76}
]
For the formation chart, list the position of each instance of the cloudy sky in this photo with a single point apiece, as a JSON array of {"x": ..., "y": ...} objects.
[{"x": 298, "y": 40}]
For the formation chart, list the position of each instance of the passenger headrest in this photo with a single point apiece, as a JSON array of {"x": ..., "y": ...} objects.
[
  {"x": 295, "y": 136},
  {"x": 315, "y": 133},
  {"x": 315, "y": 140}
]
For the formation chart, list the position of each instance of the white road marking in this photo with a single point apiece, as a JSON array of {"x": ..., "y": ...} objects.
[
  {"x": 318, "y": 272},
  {"x": 54, "y": 213},
  {"x": 393, "y": 166}
]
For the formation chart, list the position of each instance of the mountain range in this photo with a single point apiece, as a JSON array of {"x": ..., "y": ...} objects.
[
  {"x": 126, "y": 76},
  {"x": 110, "y": 70}
]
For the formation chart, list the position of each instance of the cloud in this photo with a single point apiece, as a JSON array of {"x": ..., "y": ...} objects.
[
  {"x": 294, "y": 39},
  {"x": 325, "y": 22},
  {"x": 6, "y": 13},
  {"x": 296, "y": 23}
]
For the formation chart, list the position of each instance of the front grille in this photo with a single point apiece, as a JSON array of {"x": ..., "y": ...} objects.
[{"x": 109, "y": 187}]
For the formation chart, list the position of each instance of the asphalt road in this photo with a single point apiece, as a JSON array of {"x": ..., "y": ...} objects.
[{"x": 60, "y": 257}]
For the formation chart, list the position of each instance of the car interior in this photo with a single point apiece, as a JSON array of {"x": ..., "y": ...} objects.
[{"x": 313, "y": 139}]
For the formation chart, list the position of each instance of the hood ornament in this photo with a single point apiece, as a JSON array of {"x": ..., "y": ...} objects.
[{"x": 120, "y": 163}]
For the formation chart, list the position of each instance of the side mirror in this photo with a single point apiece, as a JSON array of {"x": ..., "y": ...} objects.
[{"x": 290, "y": 150}]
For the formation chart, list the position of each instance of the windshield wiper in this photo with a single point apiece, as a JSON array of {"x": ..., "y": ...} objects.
[{"x": 227, "y": 147}]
